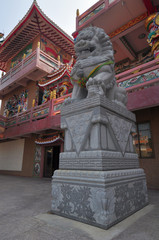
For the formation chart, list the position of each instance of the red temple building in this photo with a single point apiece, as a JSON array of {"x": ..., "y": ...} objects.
[
  {"x": 133, "y": 27},
  {"x": 37, "y": 59}
]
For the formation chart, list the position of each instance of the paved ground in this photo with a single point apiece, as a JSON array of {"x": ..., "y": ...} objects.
[{"x": 24, "y": 215}]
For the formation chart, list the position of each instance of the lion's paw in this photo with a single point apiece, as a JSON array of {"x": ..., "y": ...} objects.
[
  {"x": 68, "y": 101},
  {"x": 90, "y": 82}
]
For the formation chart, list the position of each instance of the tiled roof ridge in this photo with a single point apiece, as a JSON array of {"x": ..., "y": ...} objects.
[{"x": 56, "y": 72}]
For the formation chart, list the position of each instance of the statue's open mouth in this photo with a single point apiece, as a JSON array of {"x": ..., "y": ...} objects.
[{"x": 86, "y": 50}]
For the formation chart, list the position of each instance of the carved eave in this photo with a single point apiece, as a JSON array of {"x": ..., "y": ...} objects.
[
  {"x": 32, "y": 24},
  {"x": 55, "y": 76}
]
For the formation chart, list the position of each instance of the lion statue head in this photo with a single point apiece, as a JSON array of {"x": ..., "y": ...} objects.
[{"x": 92, "y": 42}]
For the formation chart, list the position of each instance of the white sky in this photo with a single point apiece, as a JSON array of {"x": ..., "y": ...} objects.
[{"x": 62, "y": 12}]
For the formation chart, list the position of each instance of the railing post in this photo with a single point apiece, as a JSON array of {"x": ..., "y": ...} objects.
[
  {"x": 16, "y": 119},
  {"x": 37, "y": 56},
  {"x": 50, "y": 107},
  {"x": 106, "y": 4},
  {"x": 22, "y": 62},
  {"x": 10, "y": 72},
  {"x": 31, "y": 114}
]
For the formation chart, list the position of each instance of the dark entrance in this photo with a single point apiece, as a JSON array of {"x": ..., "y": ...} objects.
[{"x": 51, "y": 161}]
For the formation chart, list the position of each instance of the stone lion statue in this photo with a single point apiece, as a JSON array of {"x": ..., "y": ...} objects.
[{"x": 93, "y": 72}]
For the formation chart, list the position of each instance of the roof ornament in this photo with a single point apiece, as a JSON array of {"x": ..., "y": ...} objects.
[
  {"x": 1, "y": 36},
  {"x": 77, "y": 13},
  {"x": 152, "y": 26}
]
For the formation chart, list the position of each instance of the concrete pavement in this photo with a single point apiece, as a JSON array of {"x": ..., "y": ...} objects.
[{"x": 24, "y": 215}]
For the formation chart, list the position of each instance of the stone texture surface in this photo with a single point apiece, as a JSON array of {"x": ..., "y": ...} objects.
[
  {"x": 98, "y": 138},
  {"x": 100, "y": 198},
  {"x": 93, "y": 73},
  {"x": 98, "y": 134}
]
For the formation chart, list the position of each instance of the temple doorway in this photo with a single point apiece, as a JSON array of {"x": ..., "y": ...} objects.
[{"x": 51, "y": 160}]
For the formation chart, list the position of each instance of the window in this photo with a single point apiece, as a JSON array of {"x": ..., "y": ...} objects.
[{"x": 142, "y": 141}]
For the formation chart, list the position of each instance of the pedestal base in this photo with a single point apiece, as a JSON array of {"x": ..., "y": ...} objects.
[{"x": 99, "y": 198}]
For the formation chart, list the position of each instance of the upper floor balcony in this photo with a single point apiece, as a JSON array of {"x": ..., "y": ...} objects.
[{"x": 33, "y": 67}]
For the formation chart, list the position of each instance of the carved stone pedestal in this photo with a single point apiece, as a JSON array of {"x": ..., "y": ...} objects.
[{"x": 99, "y": 181}]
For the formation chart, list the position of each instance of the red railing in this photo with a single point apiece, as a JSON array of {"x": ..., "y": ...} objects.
[
  {"x": 50, "y": 108},
  {"x": 30, "y": 115},
  {"x": 57, "y": 104},
  {"x": 44, "y": 57},
  {"x": 145, "y": 75}
]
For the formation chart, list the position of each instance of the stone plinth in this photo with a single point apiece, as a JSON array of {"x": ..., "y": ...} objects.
[
  {"x": 99, "y": 181},
  {"x": 100, "y": 198}
]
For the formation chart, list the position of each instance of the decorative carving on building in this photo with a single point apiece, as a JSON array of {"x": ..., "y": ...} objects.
[
  {"x": 152, "y": 26},
  {"x": 53, "y": 50},
  {"x": 128, "y": 25},
  {"x": 49, "y": 138},
  {"x": 37, "y": 161},
  {"x": 143, "y": 78},
  {"x": 22, "y": 55},
  {"x": 56, "y": 84},
  {"x": 16, "y": 104}
]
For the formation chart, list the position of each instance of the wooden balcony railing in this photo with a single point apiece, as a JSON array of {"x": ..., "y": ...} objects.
[{"x": 50, "y": 108}]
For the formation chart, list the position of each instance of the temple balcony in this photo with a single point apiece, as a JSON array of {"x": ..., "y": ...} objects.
[
  {"x": 33, "y": 121},
  {"x": 33, "y": 67},
  {"x": 142, "y": 85}
]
